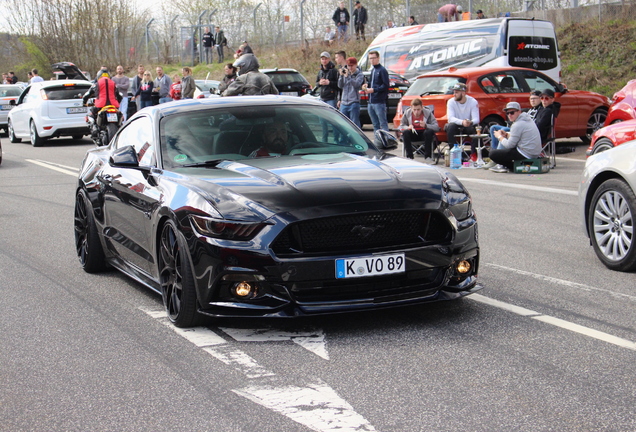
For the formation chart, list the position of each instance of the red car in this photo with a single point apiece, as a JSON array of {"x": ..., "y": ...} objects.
[
  {"x": 582, "y": 112},
  {"x": 623, "y": 103},
  {"x": 610, "y": 136}
]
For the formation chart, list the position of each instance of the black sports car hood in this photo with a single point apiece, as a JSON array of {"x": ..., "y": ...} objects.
[{"x": 316, "y": 185}]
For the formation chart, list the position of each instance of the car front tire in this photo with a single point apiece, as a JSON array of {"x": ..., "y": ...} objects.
[
  {"x": 611, "y": 225},
  {"x": 12, "y": 136},
  {"x": 87, "y": 244},
  {"x": 36, "y": 140},
  {"x": 602, "y": 145},
  {"x": 177, "y": 281}
]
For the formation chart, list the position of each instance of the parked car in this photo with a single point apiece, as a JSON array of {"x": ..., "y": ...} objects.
[
  {"x": 68, "y": 70},
  {"x": 289, "y": 82},
  {"x": 49, "y": 109},
  {"x": 610, "y": 136},
  {"x": 581, "y": 113},
  {"x": 8, "y": 93},
  {"x": 623, "y": 103},
  {"x": 399, "y": 86},
  {"x": 608, "y": 205},
  {"x": 206, "y": 88},
  {"x": 181, "y": 201}
]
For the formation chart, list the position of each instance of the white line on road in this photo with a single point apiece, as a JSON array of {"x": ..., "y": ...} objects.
[
  {"x": 586, "y": 331},
  {"x": 520, "y": 186},
  {"x": 55, "y": 167},
  {"x": 313, "y": 341}
]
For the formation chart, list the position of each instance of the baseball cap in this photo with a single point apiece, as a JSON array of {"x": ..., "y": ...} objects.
[
  {"x": 352, "y": 61},
  {"x": 512, "y": 106},
  {"x": 357, "y": 2},
  {"x": 548, "y": 92},
  {"x": 479, "y": 11},
  {"x": 535, "y": 93},
  {"x": 459, "y": 86},
  {"x": 459, "y": 8},
  {"x": 325, "y": 54}
]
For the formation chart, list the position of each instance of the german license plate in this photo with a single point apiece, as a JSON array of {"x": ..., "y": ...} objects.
[
  {"x": 75, "y": 110},
  {"x": 289, "y": 93},
  {"x": 111, "y": 117},
  {"x": 395, "y": 95},
  {"x": 370, "y": 266},
  {"x": 7, "y": 107}
]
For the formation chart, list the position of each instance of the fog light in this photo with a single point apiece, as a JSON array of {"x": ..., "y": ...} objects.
[
  {"x": 463, "y": 267},
  {"x": 244, "y": 289}
]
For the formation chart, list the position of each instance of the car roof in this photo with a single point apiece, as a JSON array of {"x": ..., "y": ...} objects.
[{"x": 474, "y": 71}]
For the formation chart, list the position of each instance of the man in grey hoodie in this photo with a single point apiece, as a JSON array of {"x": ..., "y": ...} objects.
[
  {"x": 350, "y": 82},
  {"x": 522, "y": 142},
  {"x": 250, "y": 80}
]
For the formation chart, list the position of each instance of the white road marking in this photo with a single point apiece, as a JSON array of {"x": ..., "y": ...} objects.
[
  {"x": 55, "y": 167},
  {"x": 313, "y": 341},
  {"x": 520, "y": 186},
  {"x": 316, "y": 406},
  {"x": 563, "y": 282},
  {"x": 586, "y": 331}
]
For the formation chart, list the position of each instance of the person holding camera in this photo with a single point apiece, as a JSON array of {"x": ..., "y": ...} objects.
[{"x": 350, "y": 82}]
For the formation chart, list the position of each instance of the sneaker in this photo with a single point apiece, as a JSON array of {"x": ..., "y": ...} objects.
[
  {"x": 489, "y": 165},
  {"x": 499, "y": 169}
]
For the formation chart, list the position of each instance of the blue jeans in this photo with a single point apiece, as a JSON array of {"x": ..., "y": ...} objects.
[
  {"x": 165, "y": 99},
  {"x": 143, "y": 104},
  {"x": 123, "y": 107},
  {"x": 494, "y": 142},
  {"x": 342, "y": 32},
  {"x": 377, "y": 112},
  {"x": 352, "y": 111}
]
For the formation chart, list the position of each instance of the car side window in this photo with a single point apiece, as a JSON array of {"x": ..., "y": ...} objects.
[
  {"x": 138, "y": 134},
  {"x": 507, "y": 83},
  {"x": 538, "y": 81}
]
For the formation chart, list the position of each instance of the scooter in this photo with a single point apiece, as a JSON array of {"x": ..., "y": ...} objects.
[{"x": 104, "y": 125}]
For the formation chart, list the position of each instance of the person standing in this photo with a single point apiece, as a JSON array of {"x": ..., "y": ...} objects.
[
  {"x": 187, "y": 84},
  {"x": 418, "y": 124},
  {"x": 449, "y": 12},
  {"x": 230, "y": 76},
  {"x": 378, "y": 91},
  {"x": 12, "y": 78},
  {"x": 327, "y": 79},
  {"x": 162, "y": 85},
  {"x": 360, "y": 18},
  {"x": 341, "y": 63},
  {"x": 144, "y": 92},
  {"x": 412, "y": 21},
  {"x": 122, "y": 82},
  {"x": 341, "y": 18},
  {"x": 219, "y": 42},
  {"x": 480, "y": 14},
  {"x": 36, "y": 77},
  {"x": 207, "y": 39},
  {"x": 463, "y": 115},
  {"x": 350, "y": 83},
  {"x": 175, "y": 88}
]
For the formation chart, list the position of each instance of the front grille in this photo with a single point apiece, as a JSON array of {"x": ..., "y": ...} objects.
[{"x": 362, "y": 232}]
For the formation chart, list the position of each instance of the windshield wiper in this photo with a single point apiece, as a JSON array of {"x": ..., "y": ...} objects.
[{"x": 208, "y": 163}]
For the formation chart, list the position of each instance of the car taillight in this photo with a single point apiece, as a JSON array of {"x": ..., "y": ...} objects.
[
  {"x": 200, "y": 97},
  {"x": 618, "y": 96},
  {"x": 43, "y": 95}
]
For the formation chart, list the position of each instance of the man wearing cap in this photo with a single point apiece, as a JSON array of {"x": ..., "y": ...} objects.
[
  {"x": 359, "y": 20},
  {"x": 378, "y": 91},
  {"x": 480, "y": 14},
  {"x": 543, "y": 118},
  {"x": 522, "y": 142},
  {"x": 463, "y": 115},
  {"x": 350, "y": 82}
]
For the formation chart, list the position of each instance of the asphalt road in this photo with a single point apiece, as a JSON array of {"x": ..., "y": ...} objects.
[{"x": 547, "y": 345}]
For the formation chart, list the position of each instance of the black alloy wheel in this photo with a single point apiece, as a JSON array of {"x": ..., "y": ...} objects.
[
  {"x": 87, "y": 244},
  {"x": 177, "y": 282}
]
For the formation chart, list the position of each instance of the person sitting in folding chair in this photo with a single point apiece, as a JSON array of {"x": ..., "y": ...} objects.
[
  {"x": 545, "y": 116},
  {"x": 522, "y": 142},
  {"x": 419, "y": 124}
]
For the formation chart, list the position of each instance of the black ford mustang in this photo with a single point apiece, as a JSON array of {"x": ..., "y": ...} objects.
[{"x": 270, "y": 206}]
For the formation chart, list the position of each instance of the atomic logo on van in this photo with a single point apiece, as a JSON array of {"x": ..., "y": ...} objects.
[
  {"x": 524, "y": 45},
  {"x": 445, "y": 54}
]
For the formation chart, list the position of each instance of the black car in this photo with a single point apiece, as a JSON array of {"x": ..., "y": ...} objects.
[
  {"x": 289, "y": 82},
  {"x": 399, "y": 86},
  {"x": 68, "y": 70},
  {"x": 189, "y": 200}
]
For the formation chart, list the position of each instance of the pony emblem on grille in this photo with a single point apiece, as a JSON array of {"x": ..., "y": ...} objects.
[{"x": 364, "y": 231}]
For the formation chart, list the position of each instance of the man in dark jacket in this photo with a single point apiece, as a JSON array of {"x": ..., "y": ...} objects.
[
  {"x": 327, "y": 79},
  {"x": 219, "y": 42},
  {"x": 250, "y": 80},
  {"x": 378, "y": 91},
  {"x": 543, "y": 118},
  {"x": 341, "y": 18},
  {"x": 359, "y": 20}
]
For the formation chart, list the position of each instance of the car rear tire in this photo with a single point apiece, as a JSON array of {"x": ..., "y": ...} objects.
[
  {"x": 36, "y": 140},
  {"x": 602, "y": 145},
  {"x": 87, "y": 244},
  {"x": 595, "y": 122},
  {"x": 611, "y": 225},
  {"x": 177, "y": 281},
  {"x": 77, "y": 137},
  {"x": 12, "y": 136}
]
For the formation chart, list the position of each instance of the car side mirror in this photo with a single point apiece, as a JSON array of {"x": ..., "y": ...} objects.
[
  {"x": 561, "y": 88},
  {"x": 125, "y": 157},
  {"x": 12, "y": 102}
]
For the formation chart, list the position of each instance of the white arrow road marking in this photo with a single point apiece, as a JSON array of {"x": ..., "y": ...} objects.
[
  {"x": 313, "y": 341},
  {"x": 316, "y": 406}
]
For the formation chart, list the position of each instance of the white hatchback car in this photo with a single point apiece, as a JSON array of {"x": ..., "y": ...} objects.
[{"x": 49, "y": 109}]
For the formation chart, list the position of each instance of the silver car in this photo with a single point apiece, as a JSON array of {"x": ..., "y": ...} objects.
[
  {"x": 8, "y": 92},
  {"x": 608, "y": 205}
]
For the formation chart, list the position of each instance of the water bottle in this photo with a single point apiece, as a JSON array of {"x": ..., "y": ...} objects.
[{"x": 456, "y": 157}]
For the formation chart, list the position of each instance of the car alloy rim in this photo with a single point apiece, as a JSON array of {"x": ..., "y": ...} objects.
[
  {"x": 171, "y": 272},
  {"x": 595, "y": 122},
  {"x": 613, "y": 225},
  {"x": 81, "y": 229}
]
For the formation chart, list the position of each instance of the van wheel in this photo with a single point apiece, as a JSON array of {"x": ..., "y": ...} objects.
[{"x": 595, "y": 122}]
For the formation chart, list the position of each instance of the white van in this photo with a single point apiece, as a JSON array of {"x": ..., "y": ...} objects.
[{"x": 414, "y": 50}]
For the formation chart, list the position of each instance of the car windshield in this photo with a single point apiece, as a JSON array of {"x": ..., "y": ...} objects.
[
  {"x": 64, "y": 92},
  {"x": 207, "y": 85},
  {"x": 11, "y": 90},
  {"x": 433, "y": 85},
  {"x": 258, "y": 131}
]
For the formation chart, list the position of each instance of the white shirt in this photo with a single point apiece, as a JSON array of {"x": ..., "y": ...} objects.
[{"x": 458, "y": 112}]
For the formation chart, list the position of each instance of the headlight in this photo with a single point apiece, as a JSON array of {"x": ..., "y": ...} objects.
[{"x": 224, "y": 229}]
